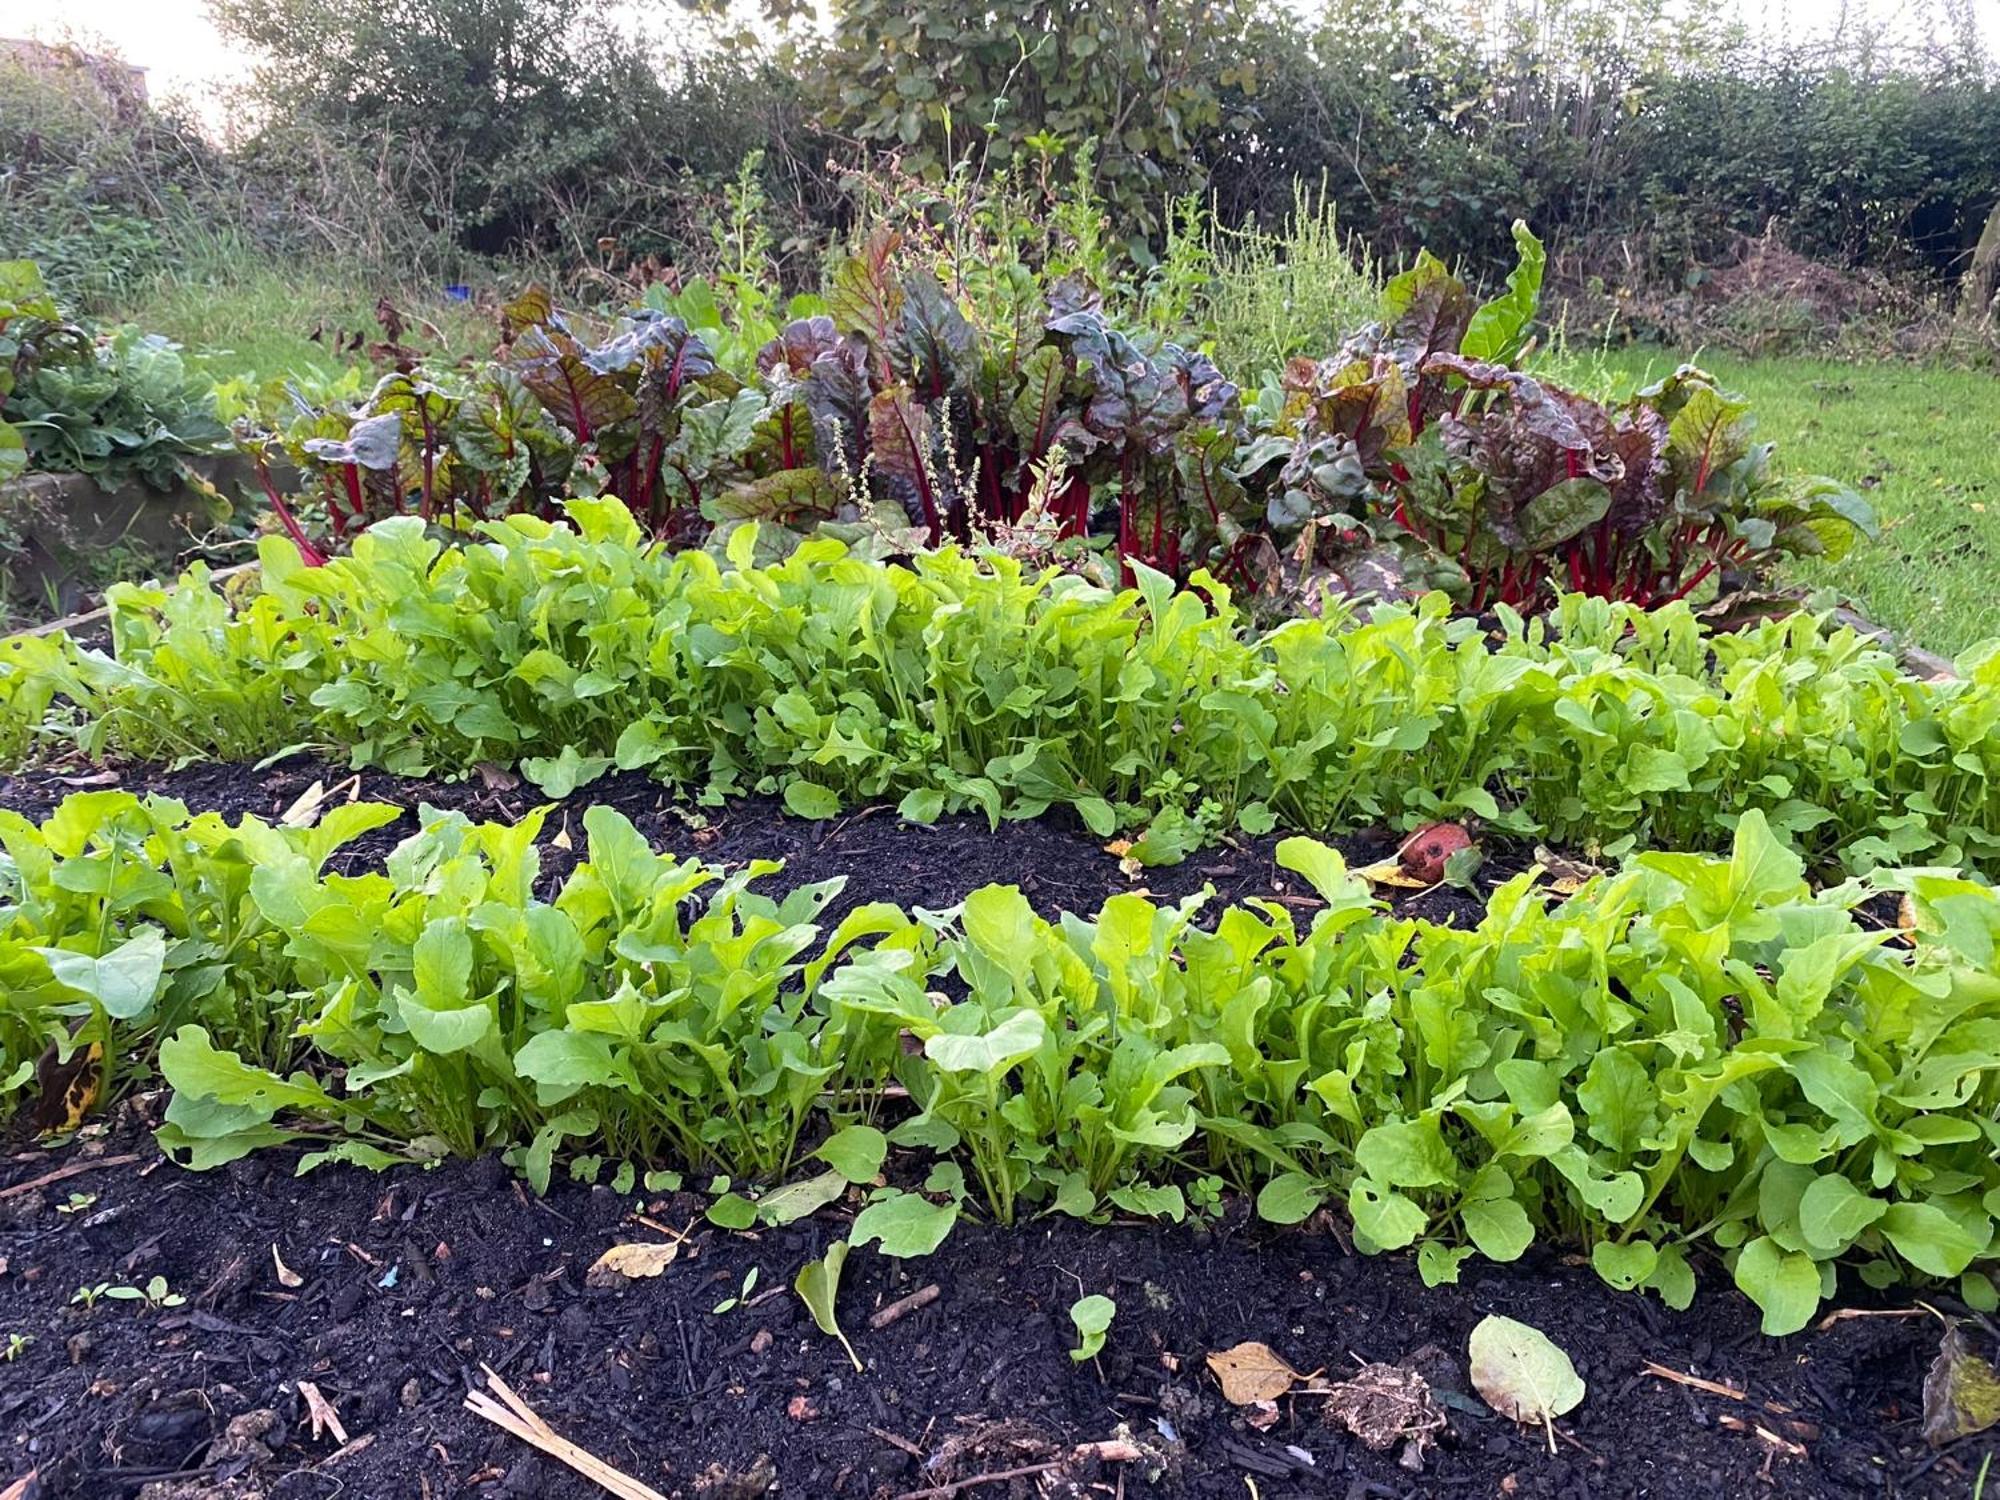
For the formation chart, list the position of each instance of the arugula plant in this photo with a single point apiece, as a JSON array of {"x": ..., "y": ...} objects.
[
  {"x": 970, "y": 683},
  {"x": 1698, "y": 1055}
]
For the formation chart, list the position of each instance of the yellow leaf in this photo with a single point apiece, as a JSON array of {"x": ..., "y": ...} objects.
[
  {"x": 1250, "y": 1373},
  {"x": 623, "y": 1263},
  {"x": 1391, "y": 872}
]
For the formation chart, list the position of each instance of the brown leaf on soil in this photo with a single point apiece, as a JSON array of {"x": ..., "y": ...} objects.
[
  {"x": 1384, "y": 1405},
  {"x": 623, "y": 1263},
  {"x": 66, "y": 1088},
  {"x": 1961, "y": 1392},
  {"x": 497, "y": 778},
  {"x": 1249, "y": 1372}
]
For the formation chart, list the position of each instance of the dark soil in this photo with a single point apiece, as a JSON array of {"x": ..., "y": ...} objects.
[
  {"x": 1055, "y": 861},
  {"x": 411, "y": 1281}
]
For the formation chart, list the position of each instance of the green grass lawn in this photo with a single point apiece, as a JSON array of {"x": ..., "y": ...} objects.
[
  {"x": 246, "y": 318},
  {"x": 1922, "y": 444}
]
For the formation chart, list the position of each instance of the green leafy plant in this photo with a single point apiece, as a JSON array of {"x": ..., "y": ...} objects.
[
  {"x": 1091, "y": 1317},
  {"x": 117, "y": 406},
  {"x": 818, "y": 1286},
  {"x": 1698, "y": 1055}
]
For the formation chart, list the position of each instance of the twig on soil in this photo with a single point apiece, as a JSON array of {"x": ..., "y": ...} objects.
[
  {"x": 902, "y": 1307},
  {"x": 1714, "y": 1388},
  {"x": 517, "y": 1417},
  {"x": 995, "y": 1476},
  {"x": 1842, "y": 1314},
  {"x": 324, "y": 1417},
  {"x": 895, "y": 1441},
  {"x": 21, "y": 1487},
  {"x": 60, "y": 1174},
  {"x": 1764, "y": 1435}
]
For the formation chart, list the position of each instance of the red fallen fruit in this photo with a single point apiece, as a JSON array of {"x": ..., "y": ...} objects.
[{"x": 1424, "y": 853}]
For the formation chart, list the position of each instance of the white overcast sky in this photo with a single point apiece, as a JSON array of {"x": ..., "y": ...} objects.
[{"x": 174, "y": 41}]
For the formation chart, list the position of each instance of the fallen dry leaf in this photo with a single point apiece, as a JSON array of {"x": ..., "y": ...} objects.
[
  {"x": 1390, "y": 872},
  {"x": 1521, "y": 1374},
  {"x": 286, "y": 1275},
  {"x": 1961, "y": 1392},
  {"x": 1250, "y": 1372},
  {"x": 497, "y": 778},
  {"x": 622, "y": 1263},
  {"x": 1384, "y": 1405},
  {"x": 304, "y": 811}
]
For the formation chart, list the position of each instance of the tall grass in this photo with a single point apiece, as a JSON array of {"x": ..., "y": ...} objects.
[
  {"x": 242, "y": 312},
  {"x": 1300, "y": 289}
]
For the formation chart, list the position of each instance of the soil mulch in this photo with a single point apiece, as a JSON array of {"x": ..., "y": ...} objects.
[{"x": 410, "y": 1281}]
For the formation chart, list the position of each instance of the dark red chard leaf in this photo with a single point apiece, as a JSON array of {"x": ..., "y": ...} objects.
[
  {"x": 837, "y": 392},
  {"x": 1429, "y": 310},
  {"x": 798, "y": 344},
  {"x": 374, "y": 443},
  {"x": 1534, "y": 463},
  {"x": 1365, "y": 402},
  {"x": 427, "y": 417},
  {"x": 899, "y": 434},
  {"x": 1638, "y": 494},
  {"x": 549, "y": 361},
  {"x": 1707, "y": 435},
  {"x": 931, "y": 348},
  {"x": 1135, "y": 404},
  {"x": 1207, "y": 396},
  {"x": 865, "y": 298},
  {"x": 647, "y": 337},
  {"x": 531, "y": 309},
  {"x": 1036, "y": 411},
  {"x": 507, "y": 439},
  {"x": 792, "y": 498}
]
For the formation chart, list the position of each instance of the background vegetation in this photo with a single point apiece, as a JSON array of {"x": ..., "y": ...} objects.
[{"x": 1236, "y": 169}]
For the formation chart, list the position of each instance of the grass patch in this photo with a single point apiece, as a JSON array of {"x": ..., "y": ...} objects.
[
  {"x": 249, "y": 317},
  {"x": 1918, "y": 442}
]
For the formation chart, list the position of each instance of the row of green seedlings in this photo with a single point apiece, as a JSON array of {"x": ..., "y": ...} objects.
[
  {"x": 1695, "y": 1055},
  {"x": 972, "y": 684}
]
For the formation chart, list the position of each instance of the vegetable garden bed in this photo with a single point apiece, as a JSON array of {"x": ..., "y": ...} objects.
[
  {"x": 389, "y": 1293},
  {"x": 1718, "y": 1015}
]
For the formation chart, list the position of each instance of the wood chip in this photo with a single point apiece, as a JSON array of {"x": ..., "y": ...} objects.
[{"x": 324, "y": 1417}]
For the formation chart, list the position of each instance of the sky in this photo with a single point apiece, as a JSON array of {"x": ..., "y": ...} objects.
[{"x": 184, "y": 56}]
